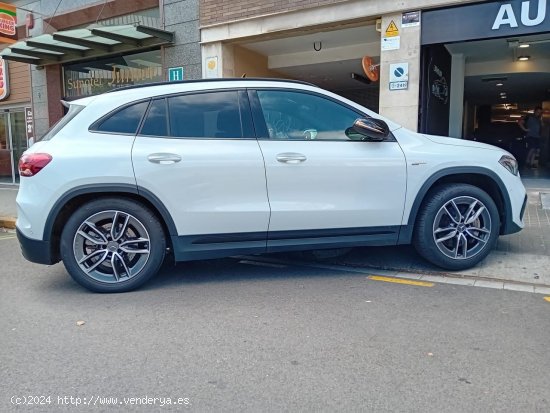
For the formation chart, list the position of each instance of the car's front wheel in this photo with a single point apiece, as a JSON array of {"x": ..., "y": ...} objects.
[
  {"x": 457, "y": 226},
  {"x": 112, "y": 245}
]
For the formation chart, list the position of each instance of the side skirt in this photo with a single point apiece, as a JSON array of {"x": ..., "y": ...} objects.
[{"x": 200, "y": 247}]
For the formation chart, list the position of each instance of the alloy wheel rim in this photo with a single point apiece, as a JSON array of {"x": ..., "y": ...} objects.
[
  {"x": 462, "y": 228},
  {"x": 111, "y": 246}
]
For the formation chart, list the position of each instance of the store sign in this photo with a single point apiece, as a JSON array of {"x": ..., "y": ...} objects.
[
  {"x": 29, "y": 126},
  {"x": 485, "y": 20},
  {"x": 8, "y": 23},
  {"x": 102, "y": 75},
  {"x": 4, "y": 80},
  {"x": 507, "y": 17}
]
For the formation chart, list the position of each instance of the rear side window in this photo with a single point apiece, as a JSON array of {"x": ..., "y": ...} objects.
[
  {"x": 205, "y": 115},
  {"x": 125, "y": 120},
  {"x": 156, "y": 121},
  {"x": 60, "y": 124}
]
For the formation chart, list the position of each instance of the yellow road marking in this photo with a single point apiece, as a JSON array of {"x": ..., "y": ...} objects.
[
  {"x": 2, "y": 238},
  {"x": 400, "y": 281},
  {"x": 547, "y": 299}
]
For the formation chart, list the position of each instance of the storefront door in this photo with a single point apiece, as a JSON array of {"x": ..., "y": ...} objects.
[{"x": 13, "y": 142}]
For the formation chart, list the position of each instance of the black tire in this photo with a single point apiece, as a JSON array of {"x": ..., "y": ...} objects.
[
  {"x": 434, "y": 222},
  {"x": 112, "y": 260}
]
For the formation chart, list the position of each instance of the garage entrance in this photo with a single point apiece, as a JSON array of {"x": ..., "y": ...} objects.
[
  {"x": 330, "y": 58},
  {"x": 505, "y": 80},
  {"x": 485, "y": 69}
]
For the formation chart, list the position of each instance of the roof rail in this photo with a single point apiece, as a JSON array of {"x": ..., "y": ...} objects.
[{"x": 221, "y": 79}]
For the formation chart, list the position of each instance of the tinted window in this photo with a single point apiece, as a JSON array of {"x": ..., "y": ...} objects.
[
  {"x": 156, "y": 123},
  {"x": 296, "y": 115},
  {"x": 125, "y": 120},
  {"x": 205, "y": 115}
]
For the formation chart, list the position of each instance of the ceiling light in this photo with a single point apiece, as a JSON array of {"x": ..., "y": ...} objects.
[
  {"x": 502, "y": 93},
  {"x": 494, "y": 79},
  {"x": 503, "y": 97},
  {"x": 524, "y": 45},
  {"x": 523, "y": 58},
  {"x": 500, "y": 84}
]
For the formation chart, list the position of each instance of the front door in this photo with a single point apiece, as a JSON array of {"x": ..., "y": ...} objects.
[{"x": 323, "y": 184}]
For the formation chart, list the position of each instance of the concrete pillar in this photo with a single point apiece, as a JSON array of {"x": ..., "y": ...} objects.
[
  {"x": 225, "y": 59},
  {"x": 457, "y": 96},
  {"x": 401, "y": 106},
  {"x": 182, "y": 18}
]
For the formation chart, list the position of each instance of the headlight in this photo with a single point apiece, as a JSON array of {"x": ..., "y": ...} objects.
[{"x": 510, "y": 163}]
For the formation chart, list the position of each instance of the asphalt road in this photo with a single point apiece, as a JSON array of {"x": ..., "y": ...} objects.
[{"x": 232, "y": 336}]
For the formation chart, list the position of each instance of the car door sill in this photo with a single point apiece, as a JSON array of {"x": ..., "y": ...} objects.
[{"x": 208, "y": 246}]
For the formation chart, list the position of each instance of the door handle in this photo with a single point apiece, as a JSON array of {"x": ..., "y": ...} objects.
[
  {"x": 164, "y": 158},
  {"x": 291, "y": 157}
]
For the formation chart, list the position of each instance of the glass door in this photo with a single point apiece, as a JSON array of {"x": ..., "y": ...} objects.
[
  {"x": 18, "y": 140},
  {"x": 6, "y": 164},
  {"x": 13, "y": 142}
]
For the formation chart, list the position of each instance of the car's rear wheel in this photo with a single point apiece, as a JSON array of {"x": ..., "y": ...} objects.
[
  {"x": 457, "y": 226},
  {"x": 112, "y": 245}
]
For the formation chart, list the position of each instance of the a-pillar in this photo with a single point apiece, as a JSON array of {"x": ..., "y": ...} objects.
[{"x": 401, "y": 106}]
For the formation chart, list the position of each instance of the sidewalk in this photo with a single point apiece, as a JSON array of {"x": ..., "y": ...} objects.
[
  {"x": 8, "y": 212},
  {"x": 523, "y": 257}
]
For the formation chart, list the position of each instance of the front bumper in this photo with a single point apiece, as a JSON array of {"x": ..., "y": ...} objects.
[
  {"x": 37, "y": 251},
  {"x": 510, "y": 226}
]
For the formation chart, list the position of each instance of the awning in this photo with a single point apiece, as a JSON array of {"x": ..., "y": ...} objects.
[{"x": 70, "y": 45}]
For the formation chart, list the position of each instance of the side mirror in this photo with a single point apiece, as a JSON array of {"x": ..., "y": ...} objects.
[{"x": 372, "y": 129}]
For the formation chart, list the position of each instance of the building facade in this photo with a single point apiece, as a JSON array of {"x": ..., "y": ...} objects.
[
  {"x": 453, "y": 68},
  {"x": 72, "y": 49}
]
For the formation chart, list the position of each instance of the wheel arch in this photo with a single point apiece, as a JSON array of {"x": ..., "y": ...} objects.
[
  {"x": 71, "y": 200},
  {"x": 480, "y": 177}
]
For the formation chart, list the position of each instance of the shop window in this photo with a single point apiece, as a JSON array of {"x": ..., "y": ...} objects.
[
  {"x": 298, "y": 116},
  {"x": 156, "y": 122},
  {"x": 205, "y": 115},
  {"x": 125, "y": 120}
]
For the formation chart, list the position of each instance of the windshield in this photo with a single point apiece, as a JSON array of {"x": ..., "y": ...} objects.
[{"x": 60, "y": 124}]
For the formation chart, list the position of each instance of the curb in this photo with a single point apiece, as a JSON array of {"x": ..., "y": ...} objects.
[
  {"x": 448, "y": 275},
  {"x": 447, "y": 278},
  {"x": 7, "y": 222}
]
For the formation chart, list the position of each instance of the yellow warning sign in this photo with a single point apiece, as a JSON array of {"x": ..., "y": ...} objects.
[{"x": 392, "y": 30}]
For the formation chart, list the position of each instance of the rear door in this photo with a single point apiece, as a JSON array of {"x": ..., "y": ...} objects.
[{"x": 197, "y": 154}]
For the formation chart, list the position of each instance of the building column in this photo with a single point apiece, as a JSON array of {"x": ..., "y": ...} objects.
[
  {"x": 217, "y": 60},
  {"x": 182, "y": 18},
  {"x": 401, "y": 106},
  {"x": 457, "y": 96}
]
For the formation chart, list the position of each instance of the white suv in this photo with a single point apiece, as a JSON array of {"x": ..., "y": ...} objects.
[{"x": 206, "y": 169}]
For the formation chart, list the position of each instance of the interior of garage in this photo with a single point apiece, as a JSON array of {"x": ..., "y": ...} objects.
[
  {"x": 331, "y": 58},
  {"x": 504, "y": 80}
]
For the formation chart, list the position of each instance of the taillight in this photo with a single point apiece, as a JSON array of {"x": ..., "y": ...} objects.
[{"x": 31, "y": 164}]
